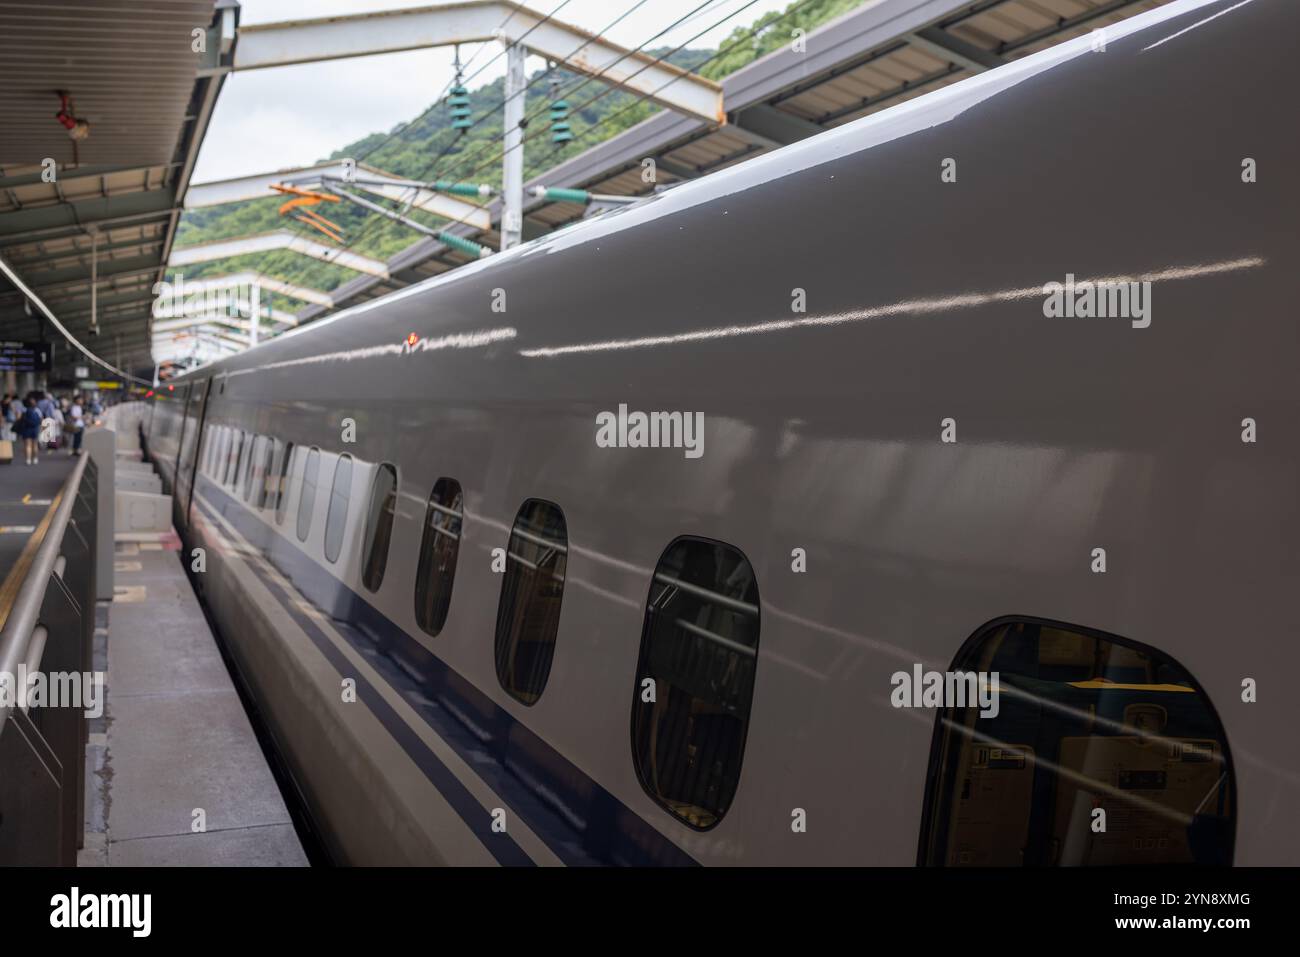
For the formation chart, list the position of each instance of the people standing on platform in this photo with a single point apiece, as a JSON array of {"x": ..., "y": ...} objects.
[
  {"x": 75, "y": 425},
  {"x": 53, "y": 432},
  {"x": 29, "y": 430}
]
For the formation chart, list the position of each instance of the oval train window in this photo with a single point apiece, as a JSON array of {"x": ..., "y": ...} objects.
[
  {"x": 439, "y": 547},
  {"x": 336, "y": 518},
  {"x": 528, "y": 614},
  {"x": 379, "y": 526},
  {"x": 307, "y": 493},
  {"x": 699, "y": 651},
  {"x": 1088, "y": 750}
]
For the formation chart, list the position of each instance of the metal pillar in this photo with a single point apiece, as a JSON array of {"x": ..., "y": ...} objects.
[
  {"x": 512, "y": 178},
  {"x": 94, "y": 281}
]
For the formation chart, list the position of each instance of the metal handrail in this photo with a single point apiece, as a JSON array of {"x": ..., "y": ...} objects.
[{"x": 16, "y": 636}]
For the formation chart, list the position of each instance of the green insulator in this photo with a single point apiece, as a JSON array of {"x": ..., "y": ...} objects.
[
  {"x": 558, "y": 195},
  {"x": 472, "y": 190},
  {"x": 463, "y": 245}
]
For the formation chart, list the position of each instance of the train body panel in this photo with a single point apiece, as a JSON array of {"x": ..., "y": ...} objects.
[{"x": 824, "y": 434}]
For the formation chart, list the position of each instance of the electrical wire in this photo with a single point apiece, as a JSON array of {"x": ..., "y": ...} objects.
[
  {"x": 585, "y": 80},
  {"x": 411, "y": 191}
]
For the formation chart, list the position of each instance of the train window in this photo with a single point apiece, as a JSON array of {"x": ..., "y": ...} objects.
[
  {"x": 379, "y": 526},
  {"x": 223, "y": 459},
  {"x": 528, "y": 614},
  {"x": 236, "y": 459},
  {"x": 280, "y": 492},
  {"x": 439, "y": 547},
  {"x": 264, "y": 477},
  {"x": 214, "y": 453},
  {"x": 336, "y": 518},
  {"x": 307, "y": 495},
  {"x": 1099, "y": 752},
  {"x": 699, "y": 647},
  {"x": 253, "y": 467}
]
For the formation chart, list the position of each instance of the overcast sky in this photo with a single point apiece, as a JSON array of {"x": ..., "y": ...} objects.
[{"x": 292, "y": 116}]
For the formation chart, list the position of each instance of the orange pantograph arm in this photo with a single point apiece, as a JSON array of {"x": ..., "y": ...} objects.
[{"x": 308, "y": 197}]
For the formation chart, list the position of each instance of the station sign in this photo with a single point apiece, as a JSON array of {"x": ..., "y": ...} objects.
[{"x": 25, "y": 356}]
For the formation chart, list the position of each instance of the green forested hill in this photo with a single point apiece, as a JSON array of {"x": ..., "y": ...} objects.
[{"x": 415, "y": 150}]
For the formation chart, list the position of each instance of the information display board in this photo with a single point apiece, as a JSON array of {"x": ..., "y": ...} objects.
[{"x": 25, "y": 356}]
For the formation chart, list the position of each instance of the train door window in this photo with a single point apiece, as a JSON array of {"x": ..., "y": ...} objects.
[
  {"x": 1092, "y": 751},
  {"x": 336, "y": 519},
  {"x": 379, "y": 526},
  {"x": 699, "y": 649},
  {"x": 439, "y": 546},
  {"x": 281, "y": 490},
  {"x": 307, "y": 495},
  {"x": 528, "y": 614}
]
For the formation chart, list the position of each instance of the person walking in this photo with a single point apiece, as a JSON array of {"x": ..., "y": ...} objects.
[
  {"x": 75, "y": 425},
  {"x": 29, "y": 430}
]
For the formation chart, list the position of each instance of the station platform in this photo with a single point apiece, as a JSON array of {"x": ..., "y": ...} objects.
[{"x": 175, "y": 773}]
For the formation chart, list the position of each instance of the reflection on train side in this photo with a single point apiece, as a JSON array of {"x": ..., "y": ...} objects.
[{"x": 1104, "y": 753}]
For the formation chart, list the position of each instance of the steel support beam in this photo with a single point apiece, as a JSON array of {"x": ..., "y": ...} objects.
[
  {"x": 265, "y": 45},
  {"x": 771, "y": 128},
  {"x": 269, "y": 242},
  {"x": 954, "y": 49},
  {"x": 258, "y": 186}
]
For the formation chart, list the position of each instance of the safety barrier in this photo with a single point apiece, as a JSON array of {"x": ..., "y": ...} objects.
[{"x": 48, "y": 632}]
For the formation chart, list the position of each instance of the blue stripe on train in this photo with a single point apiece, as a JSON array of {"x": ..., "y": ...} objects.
[{"x": 580, "y": 821}]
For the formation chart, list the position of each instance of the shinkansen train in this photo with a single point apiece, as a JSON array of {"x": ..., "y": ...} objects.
[{"x": 924, "y": 492}]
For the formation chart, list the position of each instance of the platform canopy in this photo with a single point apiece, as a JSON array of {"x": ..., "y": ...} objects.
[{"x": 108, "y": 203}]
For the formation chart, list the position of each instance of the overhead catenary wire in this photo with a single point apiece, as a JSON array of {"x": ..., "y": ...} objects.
[
  {"x": 586, "y": 80},
  {"x": 749, "y": 35},
  {"x": 428, "y": 174},
  {"x": 539, "y": 78},
  {"x": 646, "y": 96},
  {"x": 375, "y": 220}
]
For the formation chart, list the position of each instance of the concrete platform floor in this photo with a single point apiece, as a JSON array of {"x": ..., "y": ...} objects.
[{"x": 175, "y": 739}]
